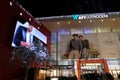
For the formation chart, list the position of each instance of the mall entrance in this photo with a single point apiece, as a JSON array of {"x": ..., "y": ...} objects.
[
  {"x": 56, "y": 72},
  {"x": 79, "y": 68},
  {"x": 91, "y": 66}
]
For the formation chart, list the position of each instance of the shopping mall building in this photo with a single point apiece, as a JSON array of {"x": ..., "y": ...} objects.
[{"x": 101, "y": 29}]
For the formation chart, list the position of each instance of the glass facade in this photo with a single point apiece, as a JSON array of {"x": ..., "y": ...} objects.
[
  {"x": 114, "y": 66},
  {"x": 113, "y": 63},
  {"x": 105, "y": 41}
]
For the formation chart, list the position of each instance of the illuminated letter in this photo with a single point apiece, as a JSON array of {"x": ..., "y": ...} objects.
[{"x": 75, "y": 17}]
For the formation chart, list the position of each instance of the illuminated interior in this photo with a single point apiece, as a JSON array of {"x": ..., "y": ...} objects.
[{"x": 87, "y": 25}]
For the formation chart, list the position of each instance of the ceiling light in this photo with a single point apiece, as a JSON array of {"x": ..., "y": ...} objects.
[
  {"x": 113, "y": 19},
  {"x": 90, "y": 20},
  {"x": 68, "y": 22},
  {"x": 29, "y": 19},
  {"x": 10, "y": 3},
  {"x": 79, "y": 21},
  {"x": 58, "y": 22},
  {"x": 38, "y": 27},
  {"x": 20, "y": 14},
  {"x": 101, "y": 20}
]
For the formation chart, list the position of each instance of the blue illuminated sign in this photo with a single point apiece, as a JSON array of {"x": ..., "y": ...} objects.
[{"x": 75, "y": 17}]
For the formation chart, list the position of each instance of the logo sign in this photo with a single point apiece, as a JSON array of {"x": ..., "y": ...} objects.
[
  {"x": 89, "y": 16},
  {"x": 75, "y": 17}
]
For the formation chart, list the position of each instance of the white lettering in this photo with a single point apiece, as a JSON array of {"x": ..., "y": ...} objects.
[{"x": 93, "y": 16}]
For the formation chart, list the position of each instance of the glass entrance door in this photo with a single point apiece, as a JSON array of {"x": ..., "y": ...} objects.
[{"x": 91, "y": 66}]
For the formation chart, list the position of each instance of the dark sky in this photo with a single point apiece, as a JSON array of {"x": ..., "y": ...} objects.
[{"x": 45, "y": 8}]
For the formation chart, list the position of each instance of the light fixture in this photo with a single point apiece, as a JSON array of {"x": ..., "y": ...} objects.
[
  {"x": 29, "y": 19},
  {"x": 10, "y": 3},
  {"x": 90, "y": 20},
  {"x": 68, "y": 22},
  {"x": 113, "y": 19},
  {"x": 20, "y": 14},
  {"x": 79, "y": 21},
  {"x": 38, "y": 27},
  {"x": 101, "y": 20},
  {"x": 58, "y": 22}
]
